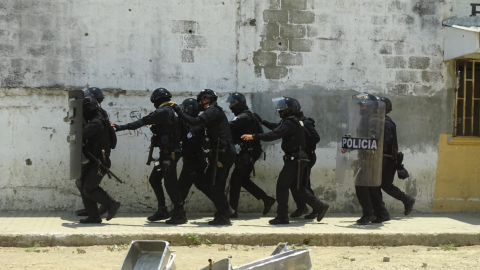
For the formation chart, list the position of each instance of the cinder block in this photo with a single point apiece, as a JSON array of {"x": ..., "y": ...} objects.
[
  {"x": 405, "y": 20},
  {"x": 188, "y": 56},
  {"x": 397, "y": 89},
  {"x": 7, "y": 50},
  {"x": 184, "y": 27},
  {"x": 273, "y": 16},
  {"x": 275, "y": 73},
  {"x": 292, "y": 31},
  {"x": 386, "y": 49},
  {"x": 38, "y": 51},
  {"x": 273, "y": 4},
  {"x": 302, "y": 17},
  {"x": 278, "y": 44},
  {"x": 270, "y": 30},
  {"x": 294, "y": 4},
  {"x": 395, "y": 62},
  {"x": 194, "y": 41},
  {"x": 312, "y": 31},
  {"x": 426, "y": 7},
  {"x": 415, "y": 62},
  {"x": 422, "y": 89},
  {"x": 407, "y": 76},
  {"x": 431, "y": 76},
  {"x": 431, "y": 22},
  {"x": 379, "y": 20},
  {"x": 263, "y": 59},
  {"x": 397, "y": 6},
  {"x": 300, "y": 45},
  {"x": 399, "y": 46},
  {"x": 290, "y": 59}
]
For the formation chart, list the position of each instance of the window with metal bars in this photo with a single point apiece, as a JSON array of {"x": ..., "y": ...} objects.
[{"x": 467, "y": 104}]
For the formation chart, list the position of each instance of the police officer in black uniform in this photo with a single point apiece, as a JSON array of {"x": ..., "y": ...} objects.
[
  {"x": 222, "y": 156},
  {"x": 166, "y": 135},
  {"x": 313, "y": 139},
  {"x": 370, "y": 198},
  {"x": 96, "y": 140},
  {"x": 96, "y": 93},
  {"x": 194, "y": 158},
  {"x": 293, "y": 136},
  {"x": 390, "y": 150},
  {"x": 245, "y": 122}
]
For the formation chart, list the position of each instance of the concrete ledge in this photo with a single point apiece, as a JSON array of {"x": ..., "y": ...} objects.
[{"x": 61, "y": 229}]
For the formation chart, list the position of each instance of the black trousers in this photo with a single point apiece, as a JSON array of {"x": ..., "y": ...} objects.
[
  {"x": 388, "y": 175},
  {"x": 192, "y": 174},
  {"x": 166, "y": 169},
  {"x": 217, "y": 190},
  {"x": 91, "y": 192},
  {"x": 370, "y": 199},
  {"x": 241, "y": 178},
  {"x": 298, "y": 199},
  {"x": 288, "y": 179}
]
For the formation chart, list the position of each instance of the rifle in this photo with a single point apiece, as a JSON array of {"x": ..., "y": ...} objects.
[
  {"x": 250, "y": 151},
  {"x": 90, "y": 155},
  {"x": 299, "y": 171},
  {"x": 150, "y": 153},
  {"x": 215, "y": 164}
]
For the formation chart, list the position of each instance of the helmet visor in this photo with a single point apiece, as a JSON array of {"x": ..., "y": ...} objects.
[
  {"x": 279, "y": 103},
  {"x": 88, "y": 94},
  {"x": 363, "y": 99}
]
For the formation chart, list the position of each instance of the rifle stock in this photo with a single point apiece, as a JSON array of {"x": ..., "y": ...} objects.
[{"x": 150, "y": 153}]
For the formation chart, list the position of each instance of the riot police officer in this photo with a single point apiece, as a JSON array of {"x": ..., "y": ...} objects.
[
  {"x": 292, "y": 132},
  {"x": 222, "y": 157},
  {"x": 245, "y": 122},
  {"x": 390, "y": 161},
  {"x": 369, "y": 196},
  {"x": 194, "y": 158},
  {"x": 95, "y": 93},
  {"x": 96, "y": 140},
  {"x": 166, "y": 135}
]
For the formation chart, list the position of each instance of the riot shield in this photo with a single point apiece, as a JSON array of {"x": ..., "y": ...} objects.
[
  {"x": 75, "y": 117},
  {"x": 360, "y": 135}
]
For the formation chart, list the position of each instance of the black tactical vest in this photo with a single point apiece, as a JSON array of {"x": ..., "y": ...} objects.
[
  {"x": 219, "y": 128},
  {"x": 255, "y": 128},
  {"x": 291, "y": 144},
  {"x": 167, "y": 132}
]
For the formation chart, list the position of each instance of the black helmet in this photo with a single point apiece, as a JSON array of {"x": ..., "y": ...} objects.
[
  {"x": 191, "y": 107},
  {"x": 90, "y": 108},
  {"x": 237, "y": 103},
  {"x": 366, "y": 99},
  {"x": 207, "y": 93},
  {"x": 88, "y": 94},
  {"x": 286, "y": 106},
  {"x": 97, "y": 94},
  {"x": 159, "y": 96},
  {"x": 388, "y": 104}
]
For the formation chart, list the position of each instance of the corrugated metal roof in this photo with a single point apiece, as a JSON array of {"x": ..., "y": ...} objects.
[{"x": 464, "y": 23}]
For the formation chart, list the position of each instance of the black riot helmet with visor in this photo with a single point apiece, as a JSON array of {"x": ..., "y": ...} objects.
[
  {"x": 97, "y": 94},
  {"x": 237, "y": 103},
  {"x": 191, "y": 107},
  {"x": 388, "y": 104},
  {"x": 368, "y": 103},
  {"x": 159, "y": 96},
  {"x": 206, "y": 93},
  {"x": 286, "y": 106}
]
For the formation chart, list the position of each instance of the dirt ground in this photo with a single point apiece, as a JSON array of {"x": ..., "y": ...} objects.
[{"x": 196, "y": 257}]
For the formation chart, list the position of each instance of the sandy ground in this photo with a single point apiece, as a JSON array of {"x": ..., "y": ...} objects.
[{"x": 195, "y": 257}]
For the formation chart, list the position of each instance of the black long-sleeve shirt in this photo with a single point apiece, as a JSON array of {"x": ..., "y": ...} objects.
[
  {"x": 158, "y": 117},
  {"x": 284, "y": 128}
]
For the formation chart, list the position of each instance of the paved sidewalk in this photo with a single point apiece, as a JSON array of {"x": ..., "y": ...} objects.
[{"x": 62, "y": 229}]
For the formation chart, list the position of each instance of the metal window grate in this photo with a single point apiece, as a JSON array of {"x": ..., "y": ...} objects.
[{"x": 467, "y": 103}]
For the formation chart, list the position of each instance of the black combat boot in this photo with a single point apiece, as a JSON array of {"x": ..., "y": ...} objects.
[
  {"x": 299, "y": 212},
  {"x": 81, "y": 213},
  {"x": 112, "y": 210},
  {"x": 102, "y": 210},
  {"x": 312, "y": 215},
  {"x": 408, "y": 203},
  {"x": 162, "y": 213},
  {"x": 234, "y": 215},
  {"x": 268, "y": 202},
  {"x": 381, "y": 218},
  {"x": 365, "y": 219},
  {"x": 220, "y": 220},
  {"x": 179, "y": 216},
  {"x": 279, "y": 221},
  {"x": 321, "y": 211},
  {"x": 90, "y": 219}
]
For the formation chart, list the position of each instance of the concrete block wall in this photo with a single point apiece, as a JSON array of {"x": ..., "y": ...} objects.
[{"x": 318, "y": 51}]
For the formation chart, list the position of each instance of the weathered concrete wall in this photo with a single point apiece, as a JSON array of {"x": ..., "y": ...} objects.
[{"x": 318, "y": 51}]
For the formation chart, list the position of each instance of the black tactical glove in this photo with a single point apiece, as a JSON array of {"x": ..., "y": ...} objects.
[
  {"x": 402, "y": 172},
  {"x": 176, "y": 108}
]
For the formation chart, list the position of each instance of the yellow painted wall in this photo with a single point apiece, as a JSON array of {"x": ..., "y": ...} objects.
[{"x": 457, "y": 185}]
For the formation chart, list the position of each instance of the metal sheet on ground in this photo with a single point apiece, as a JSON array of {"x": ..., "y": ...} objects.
[{"x": 360, "y": 134}]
